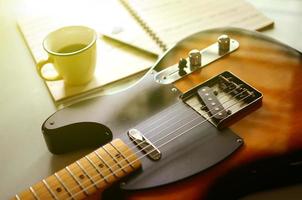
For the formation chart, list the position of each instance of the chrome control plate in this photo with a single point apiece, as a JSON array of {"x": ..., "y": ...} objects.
[{"x": 208, "y": 55}]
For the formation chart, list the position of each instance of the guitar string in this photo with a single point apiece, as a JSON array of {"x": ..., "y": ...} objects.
[
  {"x": 187, "y": 111},
  {"x": 171, "y": 111},
  {"x": 175, "y": 116},
  {"x": 174, "y": 131},
  {"x": 152, "y": 121},
  {"x": 137, "y": 145},
  {"x": 170, "y": 140},
  {"x": 199, "y": 116},
  {"x": 71, "y": 189},
  {"x": 92, "y": 168}
]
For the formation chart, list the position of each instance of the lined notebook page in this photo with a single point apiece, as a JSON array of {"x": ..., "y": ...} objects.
[
  {"x": 115, "y": 60},
  {"x": 173, "y": 20}
]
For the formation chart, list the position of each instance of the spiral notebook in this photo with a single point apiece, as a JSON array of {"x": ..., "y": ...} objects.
[{"x": 168, "y": 21}]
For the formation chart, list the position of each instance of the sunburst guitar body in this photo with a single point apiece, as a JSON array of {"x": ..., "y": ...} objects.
[{"x": 218, "y": 116}]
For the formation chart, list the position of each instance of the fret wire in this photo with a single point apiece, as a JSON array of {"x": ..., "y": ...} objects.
[
  {"x": 121, "y": 154},
  {"x": 17, "y": 197},
  {"x": 115, "y": 160},
  {"x": 50, "y": 190},
  {"x": 99, "y": 156},
  {"x": 76, "y": 180},
  {"x": 96, "y": 168},
  {"x": 86, "y": 173},
  {"x": 34, "y": 193},
  {"x": 181, "y": 133},
  {"x": 161, "y": 145},
  {"x": 125, "y": 158},
  {"x": 64, "y": 186}
]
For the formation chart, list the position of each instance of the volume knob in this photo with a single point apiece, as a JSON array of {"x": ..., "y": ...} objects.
[
  {"x": 223, "y": 44},
  {"x": 195, "y": 58}
]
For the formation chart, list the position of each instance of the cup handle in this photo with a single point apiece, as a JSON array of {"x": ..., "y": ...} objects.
[{"x": 40, "y": 66}]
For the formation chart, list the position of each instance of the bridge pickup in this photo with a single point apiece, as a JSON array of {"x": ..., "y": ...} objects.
[
  {"x": 223, "y": 99},
  {"x": 211, "y": 103},
  {"x": 143, "y": 143}
]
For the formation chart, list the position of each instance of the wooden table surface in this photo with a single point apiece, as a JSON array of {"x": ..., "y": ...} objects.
[{"x": 25, "y": 102}]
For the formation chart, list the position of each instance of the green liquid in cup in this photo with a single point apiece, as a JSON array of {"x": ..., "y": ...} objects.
[{"x": 71, "y": 48}]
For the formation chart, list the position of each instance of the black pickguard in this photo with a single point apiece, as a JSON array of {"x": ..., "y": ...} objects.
[{"x": 156, "y": 111}]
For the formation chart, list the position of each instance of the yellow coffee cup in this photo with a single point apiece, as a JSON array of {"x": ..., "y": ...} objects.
[{"x": 72, "y": 51}]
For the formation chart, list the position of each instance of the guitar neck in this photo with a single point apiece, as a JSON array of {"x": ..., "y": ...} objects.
[{"x": 93, "y": 173}]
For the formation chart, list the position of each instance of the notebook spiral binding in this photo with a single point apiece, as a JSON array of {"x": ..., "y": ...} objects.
[{"x": 144, "y": 25}]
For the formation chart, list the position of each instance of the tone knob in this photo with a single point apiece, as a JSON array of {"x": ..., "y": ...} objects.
[
  {"x": 223, "y": 44},
  {"x": 195, "y": 58}
]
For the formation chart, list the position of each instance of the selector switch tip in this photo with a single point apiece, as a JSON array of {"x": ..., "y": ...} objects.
[{"x": 181, "y": 65}]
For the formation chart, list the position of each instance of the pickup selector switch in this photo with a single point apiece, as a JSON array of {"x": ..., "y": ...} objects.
[{"x": 181, "y": 65}]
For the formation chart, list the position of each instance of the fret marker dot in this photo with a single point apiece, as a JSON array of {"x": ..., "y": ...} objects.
[
  {"x": 101, "y": 165},
  {"x": 81, "y": 176},
  {"x": 59, "y": 189},
  {"x": 118, "y": 155}
]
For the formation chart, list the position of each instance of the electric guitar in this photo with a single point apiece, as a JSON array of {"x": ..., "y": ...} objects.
[{"x": 219, "y": 115}]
